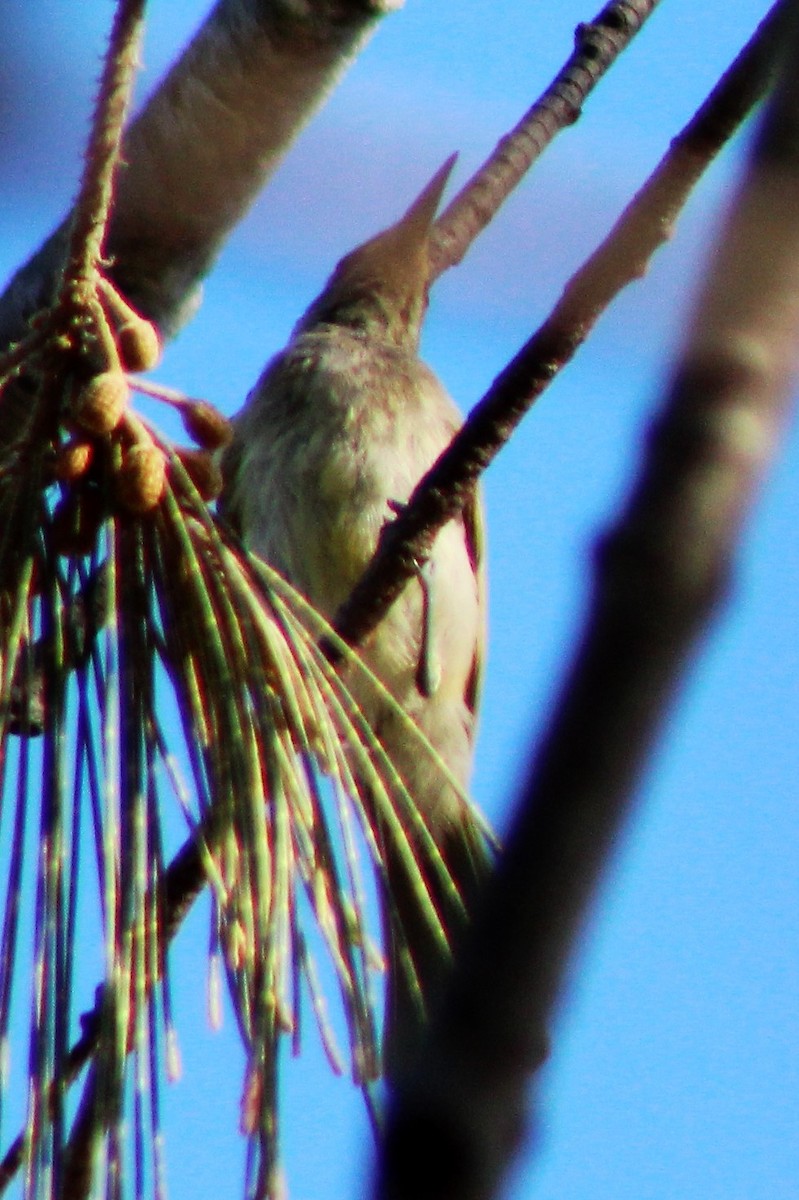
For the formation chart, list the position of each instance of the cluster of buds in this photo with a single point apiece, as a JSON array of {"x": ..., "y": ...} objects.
[{"x": 104, "y": 427}]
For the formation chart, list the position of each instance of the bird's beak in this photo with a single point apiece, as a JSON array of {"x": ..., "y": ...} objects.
[{"x": 421, "y": 214}]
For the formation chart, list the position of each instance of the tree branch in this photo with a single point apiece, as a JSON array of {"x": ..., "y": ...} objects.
[
  {"x": 621, "y": 259},
  {"x": 660, "y": 574},
  {"x": 597, "y": 46}
]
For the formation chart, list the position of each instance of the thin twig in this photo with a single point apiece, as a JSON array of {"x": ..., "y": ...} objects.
[
  {"x": 619, "y": 260},
  {"x": 660, "y": 575},
  {"x": 91, "y": 213},
  {"x": 598, "y": 44}
]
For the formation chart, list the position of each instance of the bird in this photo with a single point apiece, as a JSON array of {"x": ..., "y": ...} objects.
[{"x": 334, "y": 436}]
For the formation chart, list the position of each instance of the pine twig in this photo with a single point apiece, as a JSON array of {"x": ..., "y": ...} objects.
[
  {"x": 92, "y": 209},
  {"x": 661, "y": 573},
  {"x": 620, "y": 259}
]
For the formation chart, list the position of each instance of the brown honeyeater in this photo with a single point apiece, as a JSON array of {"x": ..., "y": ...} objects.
[{"x": 333, "y": 437}]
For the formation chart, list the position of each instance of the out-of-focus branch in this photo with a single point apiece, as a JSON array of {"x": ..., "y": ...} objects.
[
  {"x": 203, "y": 147},
  {"x": 621, "y": 259},
  {"x": 598, "y": 44},
  {"x": 660, "y": 574}
]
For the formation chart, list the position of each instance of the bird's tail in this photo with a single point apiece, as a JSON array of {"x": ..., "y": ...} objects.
[{"x": 419, "y": 965}]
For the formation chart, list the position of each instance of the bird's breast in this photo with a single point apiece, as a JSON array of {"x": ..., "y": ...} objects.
[{"x": 337, "y": 432}]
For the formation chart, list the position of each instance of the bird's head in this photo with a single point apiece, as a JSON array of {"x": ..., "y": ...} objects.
[{"x": 381, "y": 287}]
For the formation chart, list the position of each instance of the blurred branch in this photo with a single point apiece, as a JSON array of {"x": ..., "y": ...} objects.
[
  {"x": 620, "y": 260},
  {"x": 202, "y": 148},
  {"x": 661, "y": 573},
  {"x": 597, "y": 46}
]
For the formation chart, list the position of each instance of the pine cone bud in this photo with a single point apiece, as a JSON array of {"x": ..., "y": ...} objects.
[
  {"x": 100, "y": 403},
  {"x": 137, "y": 339},
  {"x": 139, "y": 345},
  {"x": 73, "y": 460},
  {"x": 205, "y": 425},
  {"x": 141, "y": 478}
]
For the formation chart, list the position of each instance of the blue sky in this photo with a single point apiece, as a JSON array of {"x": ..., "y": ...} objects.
[{"x": 674, "y": 1070}]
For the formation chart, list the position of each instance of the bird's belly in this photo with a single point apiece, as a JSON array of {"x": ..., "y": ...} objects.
[{"x": 334, "y": 494}]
